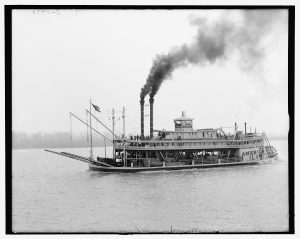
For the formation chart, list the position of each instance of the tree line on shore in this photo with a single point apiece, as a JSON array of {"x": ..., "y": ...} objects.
[{"x": 21, "y": 140}]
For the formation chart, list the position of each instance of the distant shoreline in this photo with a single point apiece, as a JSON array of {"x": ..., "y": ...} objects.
[
  {"x": 279, "y": 138},
  {"x": 79, "y": 147},
  {"x": 55, "y": 140}
]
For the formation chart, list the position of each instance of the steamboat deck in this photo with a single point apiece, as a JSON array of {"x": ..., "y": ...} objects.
[{"x": 183, "y": 148}]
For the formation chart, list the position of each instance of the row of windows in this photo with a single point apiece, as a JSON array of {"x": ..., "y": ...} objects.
[
  {"x": 193, "y": 133},
  {"x": 198, "y": 144}
]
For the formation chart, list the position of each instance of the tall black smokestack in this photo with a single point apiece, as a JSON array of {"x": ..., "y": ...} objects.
[
  {"x": 151, "y": 101},
  {"x": 245, "y": 128},
  {"x": 142, "y": 117}
]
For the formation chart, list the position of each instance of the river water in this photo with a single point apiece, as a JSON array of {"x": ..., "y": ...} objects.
[{"x": 56, "y": 194}]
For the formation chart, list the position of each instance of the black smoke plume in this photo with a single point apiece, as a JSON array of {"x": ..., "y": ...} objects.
[{"x": 215, "y": 41}]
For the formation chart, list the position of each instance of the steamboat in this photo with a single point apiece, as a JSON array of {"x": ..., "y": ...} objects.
[{"x": 178, "y": 149}]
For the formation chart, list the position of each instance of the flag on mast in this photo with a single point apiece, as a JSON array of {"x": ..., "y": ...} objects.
[{"x": 97, "y": 108}]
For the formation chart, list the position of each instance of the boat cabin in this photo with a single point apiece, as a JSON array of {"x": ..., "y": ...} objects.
[
  {"x": 183, "y": 123},
  {"x": 184, "y": 130}
]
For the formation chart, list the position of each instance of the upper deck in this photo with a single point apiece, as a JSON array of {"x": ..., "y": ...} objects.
[
  {"x": 184, "y": 137},
  {"x": 195, "y": 144}
]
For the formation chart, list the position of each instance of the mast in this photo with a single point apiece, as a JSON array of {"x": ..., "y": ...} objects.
[
  {"x": 100, "y": 122},
  {"x": 91, "y": 130},
  {"x": 91, "y": 127},
  {"x": 124, "y": 152},
  {"x": 113, "y": 132}
]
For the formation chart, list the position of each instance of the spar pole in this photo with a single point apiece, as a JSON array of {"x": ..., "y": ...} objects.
[
  {"x": 91, "y": 130},
  {"x": 124, "y": 140},
  {"x": 113, "y": 132}
]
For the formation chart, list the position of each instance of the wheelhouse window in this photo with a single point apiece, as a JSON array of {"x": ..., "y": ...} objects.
[{"x": 178, "y": 123}]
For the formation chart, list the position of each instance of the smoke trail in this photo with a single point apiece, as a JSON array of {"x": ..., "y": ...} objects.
[{"x": 215, "y": 42}]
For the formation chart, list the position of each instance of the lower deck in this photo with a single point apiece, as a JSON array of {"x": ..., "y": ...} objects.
[
  {"x": 136, "y": 158},
  {"x": 156, "y": 164},
  {"x": 94, "y": 167}
]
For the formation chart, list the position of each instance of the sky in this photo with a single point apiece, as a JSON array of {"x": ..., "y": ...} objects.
[{"x": 63, "y": 58}]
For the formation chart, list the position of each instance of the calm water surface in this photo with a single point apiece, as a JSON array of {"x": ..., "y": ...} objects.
[{"x": 56, "y": 194}]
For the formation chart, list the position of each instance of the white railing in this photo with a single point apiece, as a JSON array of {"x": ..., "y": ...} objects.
[{"x": 191, "y": 144}]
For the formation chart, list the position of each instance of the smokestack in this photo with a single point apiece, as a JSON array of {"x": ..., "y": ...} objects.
[
  {"x": 142, "y": 117},
  {"x": 151, "y": 100},
  {"x": 245, "y": 128},
  {"x": 235, "y": 127}
]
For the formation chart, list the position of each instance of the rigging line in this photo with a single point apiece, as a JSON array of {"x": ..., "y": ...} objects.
[
  {"x": 87, "y": 127},
  {"x": 119, "y": 133},
  {"x": 103, "y": 117},
  {"x": 108, "y": 115},
  {"x": 99, "y": 121},
  {"x": 132, "y": 125},
  {"x": 71, "y": 127},
  {"x": 91, "y": 127}
]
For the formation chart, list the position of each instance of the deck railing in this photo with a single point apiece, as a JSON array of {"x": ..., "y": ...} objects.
[{"x": 190, "y": 144}]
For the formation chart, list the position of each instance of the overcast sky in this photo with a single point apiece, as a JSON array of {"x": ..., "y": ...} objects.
[{"x": 62, "y": 58}]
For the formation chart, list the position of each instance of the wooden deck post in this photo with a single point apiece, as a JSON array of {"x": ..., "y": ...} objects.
[
  {"x": 113, "y": 133},
  {"x": 124, "y": 138}
]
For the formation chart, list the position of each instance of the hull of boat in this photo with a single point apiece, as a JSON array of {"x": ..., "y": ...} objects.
[
  {"x": 177, "y": 167},
  {"x": 166, "y": 168},
  {"x": 104, "y": 167}
]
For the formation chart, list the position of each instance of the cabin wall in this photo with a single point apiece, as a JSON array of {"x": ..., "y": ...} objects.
[
  {"x": 183, "y": 125},
  {"x": 199, "y": 134},
  {"x": 250, "y": 154}
]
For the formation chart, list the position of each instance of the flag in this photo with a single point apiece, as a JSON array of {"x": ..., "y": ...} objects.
[{"x": 97, "y": 108}]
